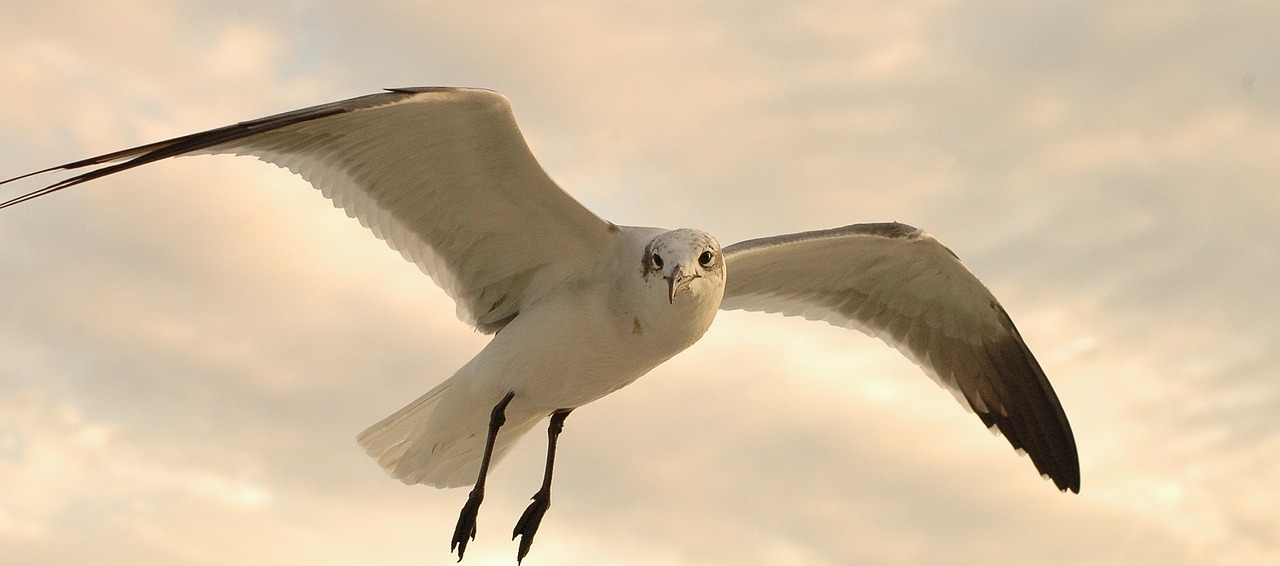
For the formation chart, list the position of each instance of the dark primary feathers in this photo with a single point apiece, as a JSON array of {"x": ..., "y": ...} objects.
[{"x": 899, "y": 284}]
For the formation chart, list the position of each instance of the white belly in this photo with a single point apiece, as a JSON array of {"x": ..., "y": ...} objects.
[{"x": 566, "y": 351}]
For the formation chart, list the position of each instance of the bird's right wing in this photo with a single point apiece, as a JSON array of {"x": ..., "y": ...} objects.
[
  {"x": 442, "y": 174},
  {"x": 897, "y": 283}
]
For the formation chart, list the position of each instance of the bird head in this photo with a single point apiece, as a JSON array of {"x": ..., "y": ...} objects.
[{"x": 688, "y": 261}]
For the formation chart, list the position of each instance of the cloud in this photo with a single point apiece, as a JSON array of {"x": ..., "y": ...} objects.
[{"x": 189, "y": 349}]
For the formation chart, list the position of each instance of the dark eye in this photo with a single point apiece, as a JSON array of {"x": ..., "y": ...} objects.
[
  {"x": 657, "y": 261},
  {"x": 705, "y": 258}
]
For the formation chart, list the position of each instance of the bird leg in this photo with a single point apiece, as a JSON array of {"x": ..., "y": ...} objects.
[
  {"x": 466, "y": 529},
  {"x": 527, "y": 526}
]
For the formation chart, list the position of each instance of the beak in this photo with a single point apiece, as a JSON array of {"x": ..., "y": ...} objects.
[{"x": 678, "y": 282}]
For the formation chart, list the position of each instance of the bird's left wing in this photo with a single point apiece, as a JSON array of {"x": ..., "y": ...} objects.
[
  {"x": 897, "y": 283},
  {"x": 442, "y": 174}
]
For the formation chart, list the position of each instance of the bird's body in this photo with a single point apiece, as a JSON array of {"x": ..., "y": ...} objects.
[
  {"x": 580, "y": 307},
  {"x": 587, "y": 338}
]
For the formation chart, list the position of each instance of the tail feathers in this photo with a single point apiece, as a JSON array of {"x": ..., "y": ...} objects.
[
  {"x": 454, "y": 462},
  {"x": 411, "y": 451},
  {"x": 388, "y": 439}
]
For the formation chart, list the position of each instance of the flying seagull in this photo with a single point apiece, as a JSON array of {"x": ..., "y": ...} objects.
[{"x": 579, "y": 307}]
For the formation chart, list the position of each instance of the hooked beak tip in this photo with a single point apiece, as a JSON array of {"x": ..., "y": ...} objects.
[{"x": 677, "y": 283}]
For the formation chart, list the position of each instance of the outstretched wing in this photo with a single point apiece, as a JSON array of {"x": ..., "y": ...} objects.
[
  {"x": 442, "y": 174},
  {"x": 897, "y": 283}
]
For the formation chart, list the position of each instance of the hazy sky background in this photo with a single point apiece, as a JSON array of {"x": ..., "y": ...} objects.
[{"x": 188, "y": 350}]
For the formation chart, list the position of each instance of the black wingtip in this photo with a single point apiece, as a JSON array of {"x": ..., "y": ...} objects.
[
  {"x": 33, "y": 174},
  {"x": 1067, "y": 480},
  {"x": 125, "y": 159},
  {"x": 1073, "y": 480},
  {"x": 63, "y": 184},
  {"x": 38, "y": 192},
  {"x": 1068, "y": 486}
]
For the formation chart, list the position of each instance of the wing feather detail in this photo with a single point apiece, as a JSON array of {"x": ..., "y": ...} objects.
[
  {"x": 443, "y": 175},
  {"x": 897, "y": 283}
]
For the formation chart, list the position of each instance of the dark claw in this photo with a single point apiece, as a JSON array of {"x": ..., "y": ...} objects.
[
  {"x": 527, "y": 526},
  {"x": 466, "y": 529}
]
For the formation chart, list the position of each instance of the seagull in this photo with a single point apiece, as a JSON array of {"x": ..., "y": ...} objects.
[{"x": 579, "y": 307}]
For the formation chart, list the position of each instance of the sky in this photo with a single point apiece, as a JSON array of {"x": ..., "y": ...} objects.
[{"x": 188, "y": 350}]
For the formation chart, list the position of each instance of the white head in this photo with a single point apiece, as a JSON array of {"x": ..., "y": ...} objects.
[{"x": 689, "y": 262}]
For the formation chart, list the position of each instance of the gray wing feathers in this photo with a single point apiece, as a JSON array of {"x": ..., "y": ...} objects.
[
  {"x": 443, "y": 175},
  {"x": 897, "y": 283}
]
